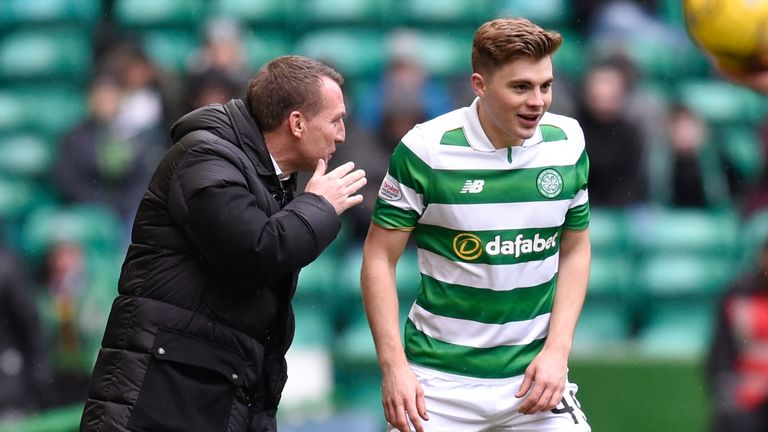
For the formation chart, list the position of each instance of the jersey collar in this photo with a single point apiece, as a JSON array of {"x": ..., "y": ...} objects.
[{"x": 477, "y": 138}]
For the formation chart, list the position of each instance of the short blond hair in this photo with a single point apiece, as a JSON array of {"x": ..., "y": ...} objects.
[{"x": 502, "y": 40}]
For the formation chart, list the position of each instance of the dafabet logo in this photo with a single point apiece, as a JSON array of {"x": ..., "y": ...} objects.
[{"x": 469, "y": 247}]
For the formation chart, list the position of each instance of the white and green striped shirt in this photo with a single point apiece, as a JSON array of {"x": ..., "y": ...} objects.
[{"x": 487, "y": 223}]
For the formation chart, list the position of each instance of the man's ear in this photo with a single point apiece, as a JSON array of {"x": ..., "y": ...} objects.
[
  {"x": 478, "y": 84},
  {"x": 297, "y": 123}
]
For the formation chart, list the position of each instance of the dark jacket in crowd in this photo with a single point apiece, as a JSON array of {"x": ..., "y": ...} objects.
[{"x": 197, "y": 336}]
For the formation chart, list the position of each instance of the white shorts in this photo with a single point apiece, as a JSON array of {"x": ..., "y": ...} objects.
[{"x": 466, "y": 404}]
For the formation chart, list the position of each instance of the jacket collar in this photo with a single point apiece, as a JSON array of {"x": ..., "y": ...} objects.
[{"x": 249, "y": 136}]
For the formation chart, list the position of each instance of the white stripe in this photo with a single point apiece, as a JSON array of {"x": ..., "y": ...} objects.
[
  {"x": 501, "y": 216},
  {"x": 476, "y": 334},
  {"x": 499, "y": 277},
  {"x": 543, "y": 155},
  {"x": 581, "y": 197},
  {"x": 409, "y": 198}
]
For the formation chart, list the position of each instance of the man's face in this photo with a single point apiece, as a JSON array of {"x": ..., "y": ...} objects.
[
  {"x": 325, "y": 129},
  {"x": 513, "y": 99}
]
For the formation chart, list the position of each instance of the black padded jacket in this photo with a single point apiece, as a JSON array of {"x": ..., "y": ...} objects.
[{"x": 196, "y": 338}]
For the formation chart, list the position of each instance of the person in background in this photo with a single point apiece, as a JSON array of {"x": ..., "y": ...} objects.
[
  {"x": 614, "y": 143},
  {"x": 737, "y": 363},
  {"x": 495, "y": 195},
  {"x": 97, "y": 163},
  {"x": 197, "y": 336}
]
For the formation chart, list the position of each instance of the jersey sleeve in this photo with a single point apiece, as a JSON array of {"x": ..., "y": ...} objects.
[
  {"x": 577, "y": 217},
  {"x": 400, "y": 202}
]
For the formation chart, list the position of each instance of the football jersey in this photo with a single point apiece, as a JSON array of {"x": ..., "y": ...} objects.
[{"x": 487, "y": 223}]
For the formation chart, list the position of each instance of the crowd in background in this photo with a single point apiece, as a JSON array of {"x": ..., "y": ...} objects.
[{"x": 649, "y": 147}]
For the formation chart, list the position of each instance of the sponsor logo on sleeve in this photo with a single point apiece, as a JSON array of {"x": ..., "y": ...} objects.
[{"x": 390, "y": 190}]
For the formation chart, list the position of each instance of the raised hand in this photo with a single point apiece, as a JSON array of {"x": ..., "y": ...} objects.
[{"x": 338, "y": 185}]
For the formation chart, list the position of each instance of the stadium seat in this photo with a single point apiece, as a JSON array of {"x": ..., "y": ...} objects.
[
  {"x": 610, "y": 275},
  {"x": 25, "y": 155},
  {"x": 159, "y": 13},
  {"x": 354, "y": 52},
  {"x": 683, "y": 275},
  {"x": 263, "y": 46},
  {"x": 446, "y": 54},
  {"x": 454, "y": 12},
  {"x": 677, "y": 329},
  {"x": 44, "y": 12},
  {"x": 721, "y": 102},
  {"x": 543, "y": 12},
  {"x": 269, "y": 13},
  {"x": 608, "y": 230},
  {"x": 602, "y": 326},
  {"x": 171, "y": 49},
  {"x": 53, "y": 54},
  {"x": 96, "y": 228},
  {"x": 699, "y": 231},
  {"x": 46, "y": 109},
  {"x": 742, "y": 150},
  {"x": 315, "y": 13},
  {"x": 569, "y": 59}
]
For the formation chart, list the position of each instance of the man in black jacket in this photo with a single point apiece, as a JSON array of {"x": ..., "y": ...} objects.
[{"x": 196, "y": 339}]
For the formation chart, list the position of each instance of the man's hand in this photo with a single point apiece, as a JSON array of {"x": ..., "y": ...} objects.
[
  {"x": 544, "y": 382},
  {"x": 338, "y": 185},
  {"x": 403, "y": 399}
]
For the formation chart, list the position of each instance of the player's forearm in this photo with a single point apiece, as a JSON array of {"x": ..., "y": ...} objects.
[
  {"x": 571, "y": 289},
  {"x": 382, "y": 308}
]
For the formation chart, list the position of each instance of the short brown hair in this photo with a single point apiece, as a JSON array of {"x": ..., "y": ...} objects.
[
  {"x": 506, "y": 39},
  {"x": 287, "y": 84}
]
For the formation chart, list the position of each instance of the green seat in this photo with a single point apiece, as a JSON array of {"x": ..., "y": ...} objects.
[
  {"x": 721, "y": 102},
  {"x": 455, "y": 12},
  {"x": 159, "y": 13},
  {"x": 690, "y": 231},
  {"x": 742, "y": 150},
  {"x": 353, "y": 52},
  {"x": 341, "y": 12},
  {"x": 569, "y": 59},
  {"x": 602, "y": 326},
  {"x": 45, "y": 54},
  {"x": 262, "y": 12},
  {"x": 46, "y": 109},
  {"x": 97, "y": 229},
  {"x": 683, "y": 275},
  {"x": 170, "y": 49},
  {"x": 677, "y": 329},
  {"x": 446, "y": 54},
  {"x": 316, "y": 280},
  {"x": 262, "y": 46},
  {"x": 754, "y": 233},
  {"x": 25, "y": 155},
  {"x": 19, "y": 196},
  {"x": 26, "y": 12},
  {"x": 610, "y": 275},
  {"x": 542, "y": 12},
  {"x": 608, "y": 230},
  {"x": 407, "y": 274}
]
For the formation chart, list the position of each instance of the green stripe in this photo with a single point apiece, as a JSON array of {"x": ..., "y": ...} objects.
[
  {"x": 461, "y": 246},
  {"x": 582, "y": 170},
  {"x": 498, "y": 362},
  {"x": 409, "y": 169},
  {"x": 501, "y": 186},
  {"x": 485, "y": 305},
  {"x": 577, "y": 218},
  {"x": 552, "y": 133},
  {"x": 389, "y": 216},
  {"x": 455, "y": 137}
]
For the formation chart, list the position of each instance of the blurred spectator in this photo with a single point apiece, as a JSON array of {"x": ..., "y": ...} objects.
[
  {"x": 24, "y": 369},
  {"x": 755, "y": 197},
  {"x": 404, "y": 70},
  {"x": 221, "y": 52},
  {"x": 738, "y": 360},
  {"x": 401, "y": 109},
  {"x": 150, "y": 97},
  {"x": 210, "y": 87},
  {"x": 614, "y": 142},
  {"x": 686, "y": 169},
  {"x": 98, "y": 162},
  {"x": 586, "y": 12}
]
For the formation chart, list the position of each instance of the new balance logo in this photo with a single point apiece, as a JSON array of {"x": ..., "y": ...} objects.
[{"x": 473, "y": 186}]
